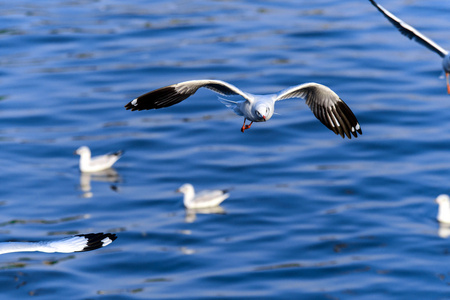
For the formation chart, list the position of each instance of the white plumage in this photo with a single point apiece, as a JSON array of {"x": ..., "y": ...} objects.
[
  {"x": 204, "y": 199},
  {"x": 443, "y": 215},
  {"x": 77, "y": 243},
  {"x": 323, "y": 102},
  {"x": 96, "y": 163}
]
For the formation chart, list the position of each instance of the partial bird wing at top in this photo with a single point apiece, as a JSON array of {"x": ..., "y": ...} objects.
[
  {"x": 77, "y": 243},
  {"x": 410, "y": 31},
  {"x": 326, "y": 106},
  {"x": 175, "y": 93}
]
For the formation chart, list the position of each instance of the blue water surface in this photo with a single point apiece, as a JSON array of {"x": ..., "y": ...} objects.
[{"x": 310, "y": 216}]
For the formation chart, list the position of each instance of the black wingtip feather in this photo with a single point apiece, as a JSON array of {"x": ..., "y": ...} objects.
[
  {"x": 119, "y": 153},
  {"x": 95, "y": 240},
  {"x": 162, "y": 97},
  {"x": 378, "y": 7},
  {"x": 345, "y": 126},
  {"x": 129, "y": 106},
  {"x": 352, "y": 120}
]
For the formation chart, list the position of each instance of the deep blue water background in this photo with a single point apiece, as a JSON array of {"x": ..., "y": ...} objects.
[{"x": 311, "y": 216}]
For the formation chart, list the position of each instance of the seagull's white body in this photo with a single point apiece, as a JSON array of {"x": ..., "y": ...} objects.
[
  {"x": 443, "y": 215},
  {"x": 414, "y": 34},
  {"x": 97, "y": 163},
  {"x": 77, "y": 243},
  {"x": 204, "y": 199},
  {"x": 324, "y": 103}
]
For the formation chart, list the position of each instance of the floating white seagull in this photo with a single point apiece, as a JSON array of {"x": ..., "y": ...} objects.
[
  {"x": 97, "y": 163},
  {"x": 324, "y": 103},
  {"x": 76, "y": 243},
  {"x": 204, "y": 199},
  {"x": 414, "y": 34},
  {"x": 443, "y": 215}
]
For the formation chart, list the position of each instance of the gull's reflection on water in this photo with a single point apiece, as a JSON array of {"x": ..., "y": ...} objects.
[
  {"x": 444, "y": 230},
  {"x": 191, "y": 213},
  {"x": 108, "y": 175}
]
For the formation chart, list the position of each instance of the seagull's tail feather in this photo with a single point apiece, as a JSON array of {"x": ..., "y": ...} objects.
[{"x": 232, "y": 104}]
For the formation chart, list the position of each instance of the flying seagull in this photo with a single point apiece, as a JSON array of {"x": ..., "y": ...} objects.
[
  {"x": 204, "y": 199},
  {"x": 443, "y": 215},
  {"x": 97, "y": 163},
  {"x": 414, "y": 34},
  {"x": 76, "y": 243},
  {"x": 324, "y": 103}
]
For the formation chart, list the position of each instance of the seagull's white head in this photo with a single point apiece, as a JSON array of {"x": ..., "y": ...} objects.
[
  {"x": 442, "y": 199},
  {"x": 185, "y": 188},
  {"x": 83, "y": 150},
  {"x": 263, "y": 112}
]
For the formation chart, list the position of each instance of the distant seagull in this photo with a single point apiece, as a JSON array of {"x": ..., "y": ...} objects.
[
  {"x": 324, "y": 103},
  {"x": 414, "y": 34},
  {"x": 97, "y": 163},
  {"x": 76, "y": 243},
  {"x": 204, "y": 199},
  {"x": 443, "y": 215}
]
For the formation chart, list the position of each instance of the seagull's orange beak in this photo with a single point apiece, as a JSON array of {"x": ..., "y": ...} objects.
[{"x": 264, "y": 117}]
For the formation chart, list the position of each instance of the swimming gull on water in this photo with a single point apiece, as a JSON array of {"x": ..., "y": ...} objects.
[
  {"x": 414, "y": 34},
  {"x": 76, "y": 243},
  {"x": 443, "y": 215},
  {"x": 204, "y": 199},
  {"x": 324, "y": 103},
  {"x": 97, "y": 163}
]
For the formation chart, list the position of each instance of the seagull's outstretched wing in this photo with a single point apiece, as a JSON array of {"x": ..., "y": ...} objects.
[
  {"x": 410, "y": 32},
  {"x": 175, "y": 93},
  {"x": 77, "y": 243},
  {"x": 326, "y": 106}
]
